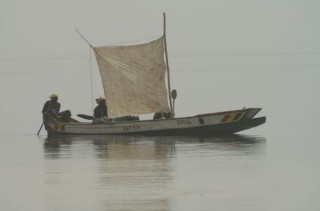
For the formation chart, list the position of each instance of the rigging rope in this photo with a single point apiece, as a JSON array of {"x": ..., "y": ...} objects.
[{"x": 90, "y": 56}]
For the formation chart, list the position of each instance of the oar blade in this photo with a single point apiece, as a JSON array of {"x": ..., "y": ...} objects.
[{"x": 84, "y": 116}]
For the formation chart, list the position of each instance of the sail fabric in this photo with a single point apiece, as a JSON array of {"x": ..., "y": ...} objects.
[{"x": 133, "y": 78}]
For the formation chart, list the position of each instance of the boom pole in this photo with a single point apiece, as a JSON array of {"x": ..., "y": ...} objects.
[{"x": 84, "y": 38}]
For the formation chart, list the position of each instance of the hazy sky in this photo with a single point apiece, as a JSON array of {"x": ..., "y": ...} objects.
[
  {"x": 211, "y": 43},
  {"x": 41, "y": 28}
]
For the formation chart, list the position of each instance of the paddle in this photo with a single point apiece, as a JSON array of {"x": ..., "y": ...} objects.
[
  {"x": 85, "y": 116},
  {"x": 44, "y": 117},
  {"x": 40, "y": 128}
]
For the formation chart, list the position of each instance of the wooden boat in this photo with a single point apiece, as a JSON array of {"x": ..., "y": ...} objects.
[
  {"x": 134, "y": 82},
  {"x": 227, "y": 122}
]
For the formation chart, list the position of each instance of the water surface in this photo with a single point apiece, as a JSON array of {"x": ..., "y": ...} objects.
[{"x": 133, "y": 173}]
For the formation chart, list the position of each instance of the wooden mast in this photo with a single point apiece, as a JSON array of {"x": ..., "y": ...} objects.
[{"x": 167, "y": 62}]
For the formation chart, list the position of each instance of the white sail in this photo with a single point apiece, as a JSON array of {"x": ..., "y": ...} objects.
[{"x": 133, "y": 78}]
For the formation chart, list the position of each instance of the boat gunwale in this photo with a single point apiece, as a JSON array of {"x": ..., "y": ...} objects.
[{"x": 159, "y": 120}]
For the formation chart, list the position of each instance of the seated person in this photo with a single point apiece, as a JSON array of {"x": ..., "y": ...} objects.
[
  {"x": 52, "y": 108},
  {"x": 162, "y": 115},
  {"x": 100, "y": 114}
]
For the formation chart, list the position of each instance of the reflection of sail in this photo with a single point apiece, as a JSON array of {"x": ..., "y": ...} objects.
[
  {"x": 130, "y": 172},
  {"x": 124, "y": 172},
  {"x": 140, "y": 166},
  {"x": 134, "y": 148}
]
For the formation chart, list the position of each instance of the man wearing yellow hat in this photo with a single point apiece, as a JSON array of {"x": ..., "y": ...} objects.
[{"x": 52, "y": 108}]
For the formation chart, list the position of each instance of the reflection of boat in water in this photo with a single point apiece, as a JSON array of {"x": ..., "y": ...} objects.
[
  {"x": 108, "y": 139},
  {"x": 137, "y": 147},
  {"x": 132, "y": 171}
]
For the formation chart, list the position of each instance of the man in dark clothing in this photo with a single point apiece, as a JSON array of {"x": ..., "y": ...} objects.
[
  {"x": 162, "y": 115},
  {"x": 100, "y": 114},
  {"x": 52, "y": 108}
]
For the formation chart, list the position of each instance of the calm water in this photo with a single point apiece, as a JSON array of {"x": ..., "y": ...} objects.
[
  {"x": 133, "y": 173},
  {"x": 272, "y": 167},
  {"x": 237, "y": 172}
]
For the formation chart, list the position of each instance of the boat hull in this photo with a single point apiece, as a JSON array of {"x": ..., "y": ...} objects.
[{"x": 227, "y": 122}]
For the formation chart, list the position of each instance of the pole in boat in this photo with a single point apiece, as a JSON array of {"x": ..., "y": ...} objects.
[
  {"x": 44, "y": 118},
  {"x": 167, "y": 62},
  {"x": 40, "y": 128}
]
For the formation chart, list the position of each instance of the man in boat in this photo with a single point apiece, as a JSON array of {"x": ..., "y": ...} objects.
[
  {"x": 52, "y": 108},
  {"x": 162, "y": 115},
  {"x": 100, "y": 114}
]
